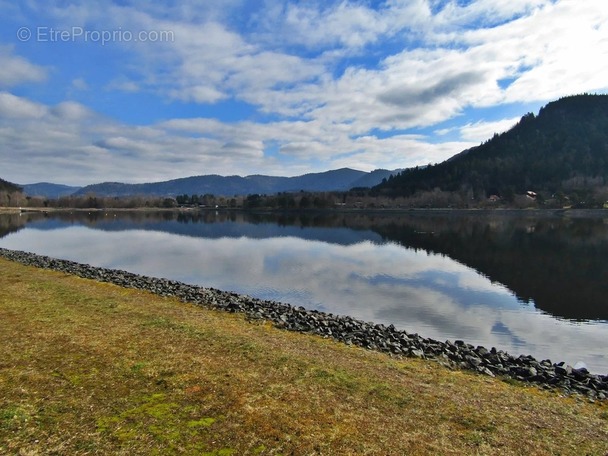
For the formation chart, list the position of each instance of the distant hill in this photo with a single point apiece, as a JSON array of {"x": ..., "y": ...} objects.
[
  {"x": 562, "y": 149},
  {"x": 48, "y": 190},
  {"x": 336, "y": 180},
  {"x": 373, "y": 178}
]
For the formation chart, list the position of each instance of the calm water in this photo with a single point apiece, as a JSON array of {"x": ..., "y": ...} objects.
[{"x": 533, "y": 285}]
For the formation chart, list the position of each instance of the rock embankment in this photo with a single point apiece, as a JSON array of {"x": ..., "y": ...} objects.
[{"x": 457, "y": 354}]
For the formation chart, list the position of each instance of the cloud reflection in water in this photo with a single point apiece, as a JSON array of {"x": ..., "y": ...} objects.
[{"x": 429, "y": 294}]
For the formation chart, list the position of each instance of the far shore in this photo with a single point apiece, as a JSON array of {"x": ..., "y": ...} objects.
[{"x": 569, "y": 212}]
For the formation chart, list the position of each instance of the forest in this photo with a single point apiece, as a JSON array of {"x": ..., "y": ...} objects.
[
  {"x": 559, "y": 155},
  {"x": 9, "y": 193}
]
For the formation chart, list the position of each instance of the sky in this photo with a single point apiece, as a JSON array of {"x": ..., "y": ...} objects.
[{"x": 136, "y": 91}]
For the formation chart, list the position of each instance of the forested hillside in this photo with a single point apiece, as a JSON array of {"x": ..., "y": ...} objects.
[
  {"x": 560, "y": 153},
  {"x": 6, "y": 186},
  {"x": 7, "y": 192}
]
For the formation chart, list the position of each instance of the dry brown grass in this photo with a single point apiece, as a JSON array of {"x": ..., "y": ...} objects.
[
  {"x": 90, "y": 368},
  {"x": 9, "y": 210}
]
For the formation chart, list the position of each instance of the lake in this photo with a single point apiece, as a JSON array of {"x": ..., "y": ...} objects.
[{"x": 524, "y": 283}]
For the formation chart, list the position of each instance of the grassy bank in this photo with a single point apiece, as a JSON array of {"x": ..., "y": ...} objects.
[
  {"x": 91, "y": 368},
  {"x": 9, "y": 210}
]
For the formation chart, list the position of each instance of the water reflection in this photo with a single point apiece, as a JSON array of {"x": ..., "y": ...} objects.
[
  {"x": 557, "y": 264},
  {"x": 418, "y": 272}
]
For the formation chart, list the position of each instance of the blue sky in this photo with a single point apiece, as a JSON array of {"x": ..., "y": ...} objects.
[{"x": 132, "y": 91}]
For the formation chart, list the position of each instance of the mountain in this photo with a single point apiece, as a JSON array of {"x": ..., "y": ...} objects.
[
  {"x": 48, "y": 190},
  {"x": 562, "y": 149},
  {"x": 186, "y": 185},
  {"x": 336, "y": 180},
  {"x": 373, "y": 178},
  {"x": 339, "y": 179}
]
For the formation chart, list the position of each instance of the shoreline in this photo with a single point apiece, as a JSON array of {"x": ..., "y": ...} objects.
[
  {"x": 387, "y": 339},
  {"x": 554, "y": 212}
]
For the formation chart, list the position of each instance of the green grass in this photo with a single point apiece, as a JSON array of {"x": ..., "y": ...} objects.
[{"x": 91, "y": 368}]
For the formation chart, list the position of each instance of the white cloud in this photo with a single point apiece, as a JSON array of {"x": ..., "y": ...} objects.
[
  {"x": 481, "y": 131},
  {"x": 80, "y": 84},
  {"x": 332, "y": 144},
  {"x": 559, "y": 50},
  {"x": 70, "y": 111},
  {"x": 123, "y": 85},
  {"x": 348, "y": 24},
  {"x": 342, "y": 82},
  {"x": 50, "y": 137},
  {"x": 208, "y": 62},
  {"x": 486, "y": 13},
  {"x": 402, "y": 151},
  {"x": 15, "y": 70},
  {"x": 20, "y": 108},
  {"x": 53, "y": 138}
]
